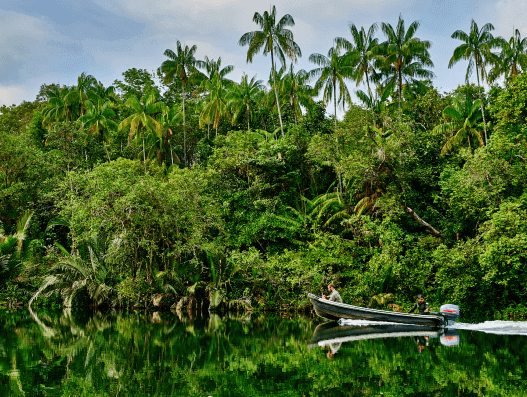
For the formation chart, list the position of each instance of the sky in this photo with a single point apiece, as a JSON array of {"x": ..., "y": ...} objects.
[{"x": 54, "y": 41}]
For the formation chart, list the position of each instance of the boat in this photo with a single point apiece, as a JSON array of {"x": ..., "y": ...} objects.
[
  {"x": 331, "y": 333},
  {"x": 447, "y": 316}
]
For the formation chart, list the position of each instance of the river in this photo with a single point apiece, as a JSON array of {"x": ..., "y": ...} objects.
[{"x": 159, "y": 354}]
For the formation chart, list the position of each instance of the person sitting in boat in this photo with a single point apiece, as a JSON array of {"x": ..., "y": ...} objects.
[
  {"x": 421, "y": 305},
  {"x": 335, "y": 296}
]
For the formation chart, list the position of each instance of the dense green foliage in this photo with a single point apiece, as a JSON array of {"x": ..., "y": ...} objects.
[{"x": 404, "y": 195}]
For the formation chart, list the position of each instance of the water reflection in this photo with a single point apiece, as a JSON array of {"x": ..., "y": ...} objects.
[
  {"x": 332, "y": 335},
  {"x": 161, "y": 354}
]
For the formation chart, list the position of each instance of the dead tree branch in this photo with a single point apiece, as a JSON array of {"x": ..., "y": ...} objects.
[{"x": 422, "y": 222}]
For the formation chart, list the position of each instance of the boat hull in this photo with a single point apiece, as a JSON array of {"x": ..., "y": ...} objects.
[{"x": 333, "y": 311}]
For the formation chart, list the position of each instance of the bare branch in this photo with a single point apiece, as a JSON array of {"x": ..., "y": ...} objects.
[{"x": 422, "y": 222}]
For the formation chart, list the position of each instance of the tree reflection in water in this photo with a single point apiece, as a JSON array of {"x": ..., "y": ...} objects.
[{"x": 160, "y": 354}]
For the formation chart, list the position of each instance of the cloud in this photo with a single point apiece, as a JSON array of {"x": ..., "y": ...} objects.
[
  {"x": 509, "y": 15},
  {"x": 33, "y": 50},
  {"x": 77, "y": 19},
  {"x": 13, "y": 94},
  {"x": 21, "y": 34}
]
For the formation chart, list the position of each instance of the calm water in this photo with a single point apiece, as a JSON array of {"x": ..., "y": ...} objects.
[{"x": 138, "y": 354}]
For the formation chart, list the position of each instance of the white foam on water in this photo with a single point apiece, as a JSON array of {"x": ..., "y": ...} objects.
[
  {"x": 496, "y": 327},
  {"x": 490, "y": 327}
]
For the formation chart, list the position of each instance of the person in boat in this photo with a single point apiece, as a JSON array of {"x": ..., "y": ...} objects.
[
  {"x": 335, "y": 296},
  {"x": 421, "y": 305}
]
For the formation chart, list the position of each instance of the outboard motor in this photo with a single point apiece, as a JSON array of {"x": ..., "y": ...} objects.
[
  {"x": 450, "y": 313},
  {"x": 450, "y": 338}
]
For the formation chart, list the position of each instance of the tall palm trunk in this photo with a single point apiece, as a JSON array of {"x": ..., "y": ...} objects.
[
  {"x": 481, "y": 103},
  {"x": 336, "y": 138},
  {"x": 400, "y": 86},
  {"x": 368, "y": 83},
  {"x": 216, "y": 120},
  {"x": 184, "y": 128},
  {"x": 165, "y": 145},
  {"x": 335, "y": 101},
  {"x": 293, "y": 107},
  {"x": 276, "y": 93},
  {"x": 371, "y": 97},
  {"x": 248, "y": 118},
  {"x": 144, "y": 155}
]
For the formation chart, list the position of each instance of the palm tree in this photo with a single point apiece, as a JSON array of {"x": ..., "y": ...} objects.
[
  {"x": 73, "y": 273},
  {"x": 464, "y": 115},
  {"x": 366, "y": 48},
  {"x": 275, "y": 39},
  {"x": 217, "y": 104},
  {"x": 270, "y": 98},
  {"x": 406, "y": 56},
  {"x": 107, "y": 94},
  {"x": 331, "y": 73},
  {"x": 375, "y": 103},
  {"x": 294, "y": 87},
  {"x": 181, "y": 64},
  {"x": 477, "y": 50},
  {"x": 98, "y": 116},
  {"x": 57, "y": 109},
  {"x": 169, "y": 117},
  {"x": 7, "y": 243},
  {"x": 512, "y": 60},
  {"x": 212, "y": 67},
  {"x": 78, "y": 94},
  {"x": 242, "y": 97},
  {"x": 144, "y": 117}
]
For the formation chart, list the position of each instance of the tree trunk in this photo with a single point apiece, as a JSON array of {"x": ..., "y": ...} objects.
[
  {"x": 184, "y": 128},
  {"x": 371, "y": 98},
  {"x": 276, "y": 93},
  {"x": 217, "y": 121},
  {"x": 248, "y": 118},
  {"x": 335, "y": 105},
  {"x": 293, "y": 107},
  {"x": 368, "y": 84},
  {"x": 481, "y": 105},
  {"x": 400, "y": 91},
  {"x": 144, "y": 156},
  {"x": 335, "y": 101}
]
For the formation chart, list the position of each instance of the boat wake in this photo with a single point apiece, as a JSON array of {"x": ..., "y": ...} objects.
[
  {"x": 496, "y": 327},
  {"x": 490, "y": 327}
]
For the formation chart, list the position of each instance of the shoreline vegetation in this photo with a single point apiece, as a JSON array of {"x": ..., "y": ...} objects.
[{"x": 184, "y": 189}]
